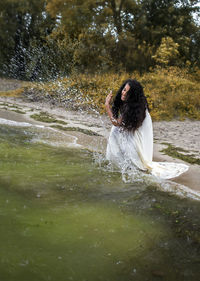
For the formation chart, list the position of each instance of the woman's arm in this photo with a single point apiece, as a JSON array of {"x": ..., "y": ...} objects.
[{"x": 115, "y": 122}]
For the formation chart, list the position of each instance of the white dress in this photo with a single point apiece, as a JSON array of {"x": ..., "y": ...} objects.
[{"x": 135, "y": 150}]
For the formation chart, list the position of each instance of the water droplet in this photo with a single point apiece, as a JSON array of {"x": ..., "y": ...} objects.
[{"x": 24, "y": 263}]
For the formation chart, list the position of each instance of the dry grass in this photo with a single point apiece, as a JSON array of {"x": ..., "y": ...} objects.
[{"x": 171, "y": 93}]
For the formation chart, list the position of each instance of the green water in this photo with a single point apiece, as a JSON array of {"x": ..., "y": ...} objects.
[{"x": 63, "y": 217}]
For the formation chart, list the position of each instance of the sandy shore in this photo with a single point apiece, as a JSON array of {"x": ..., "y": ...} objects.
[{"x": 182, "y": 134}]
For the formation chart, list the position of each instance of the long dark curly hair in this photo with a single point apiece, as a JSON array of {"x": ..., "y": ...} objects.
[{"x": 133, "y": 109}]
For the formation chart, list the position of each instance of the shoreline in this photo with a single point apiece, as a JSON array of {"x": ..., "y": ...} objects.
[{"x": 84, "y": 126}]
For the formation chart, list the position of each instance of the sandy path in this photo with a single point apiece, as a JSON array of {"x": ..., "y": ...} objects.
[{"x": 183, "y": 134}]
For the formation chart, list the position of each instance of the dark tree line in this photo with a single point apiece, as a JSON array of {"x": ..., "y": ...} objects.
[{"x": 42, "y": 39}]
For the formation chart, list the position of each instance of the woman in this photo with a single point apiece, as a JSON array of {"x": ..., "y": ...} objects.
[{"x": 130, "y": 144}]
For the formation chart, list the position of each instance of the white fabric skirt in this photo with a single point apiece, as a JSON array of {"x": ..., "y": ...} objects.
[{"x": 126, "y": 149}]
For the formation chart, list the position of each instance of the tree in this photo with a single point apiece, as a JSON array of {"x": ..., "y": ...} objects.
[
  {"x": 24, "y": 25},
  {"x": 126, "y": 33},
  {"x": 167, "y": 52},
  {"x": 98, "y": 30},
  {"x": 169, "y": 18},
  {"x": 45, "y": 38}
]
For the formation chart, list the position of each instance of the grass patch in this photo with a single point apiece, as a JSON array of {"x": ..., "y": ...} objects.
[
  {"x": 4, "y": 104},
  {"x": 18, "y": 111},
  {"x": 45, "y": 117},
  {"x": 180, "y": 149},
  {"x": 176, "y": 153},
  {"x": 90, "y": 125},
  {"x": 14, "y": 106},
  {"x": 10, "y": 106},
  {"x": 76, "y": 129},
  {"x": 12, "y": 93}
]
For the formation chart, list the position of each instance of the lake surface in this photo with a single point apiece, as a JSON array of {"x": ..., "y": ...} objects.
[{"x": 65, "y": 217}]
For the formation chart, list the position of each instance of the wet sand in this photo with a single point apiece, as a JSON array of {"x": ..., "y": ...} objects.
[{"x": 183, "y": 134}]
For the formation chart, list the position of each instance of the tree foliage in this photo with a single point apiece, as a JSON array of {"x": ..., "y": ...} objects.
[
  {"x": 46, "y": 38},
  {"x": 24, "y": 25},
  {"x": 167, "y": 52}
]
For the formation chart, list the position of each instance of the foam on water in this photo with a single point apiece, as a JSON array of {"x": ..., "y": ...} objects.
[
  {"x": 72, "y": 143},
  {"x": 18, "y": 124},
  {"x": 164, "y": 185},
  {"x": 50, "y": 138},
  {"x": 134, "y": 175}
]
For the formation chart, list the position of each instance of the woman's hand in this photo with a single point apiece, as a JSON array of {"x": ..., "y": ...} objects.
[
  {"x": 108, "y": 99},
  {"x": 109, "y": 111}
]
